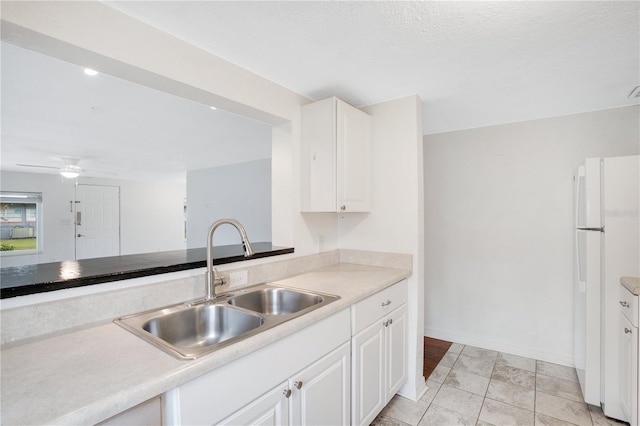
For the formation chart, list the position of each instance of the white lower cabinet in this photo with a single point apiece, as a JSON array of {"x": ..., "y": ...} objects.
[
  {"x": 379, "y": 351},
  {"x": 318, "y": 395},
  {"x": 629, "y": 370},
  {"x": 271, "y": 408},
  {"x": 629, "y": 346},
  {"x": 321, "y": 393},
  {"x": 301, "y": 379},
  {"x": 368, "y": 374},
  {"x": 338, "y": 371},
  {"x": 396, "y": 351}
]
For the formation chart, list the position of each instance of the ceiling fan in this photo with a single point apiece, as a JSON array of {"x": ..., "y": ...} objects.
[{"x": 70, "y": 169}]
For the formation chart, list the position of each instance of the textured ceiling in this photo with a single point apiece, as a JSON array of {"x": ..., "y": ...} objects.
[{"x": 473, "y": 63}]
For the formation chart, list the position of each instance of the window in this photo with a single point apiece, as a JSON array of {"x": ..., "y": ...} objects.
[{"x": 20, "y": 222}]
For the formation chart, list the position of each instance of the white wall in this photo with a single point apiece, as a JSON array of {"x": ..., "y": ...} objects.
[
  {"x": 499, "y": 228},
  {"x": 151, "y": 215},
  {"x": 210, "y": 196},
  {"x": 395, "y": 221}
]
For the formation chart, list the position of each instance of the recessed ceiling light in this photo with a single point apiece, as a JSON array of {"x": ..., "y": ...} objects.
[
  {"x": 89, "y": 71},
  {"x": 213, "y": 108}
]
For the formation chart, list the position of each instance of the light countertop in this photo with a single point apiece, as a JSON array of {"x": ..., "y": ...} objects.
[
  {"x": 632, "y": 284},
  {"x": 87, "y": 376}
]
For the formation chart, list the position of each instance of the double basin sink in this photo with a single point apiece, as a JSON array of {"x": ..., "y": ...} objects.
[{"x": 192, "y": 329}]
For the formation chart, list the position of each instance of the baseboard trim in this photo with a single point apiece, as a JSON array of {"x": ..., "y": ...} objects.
[
  {"x": 414, "y": 391},
  {"x": 535, "y": 353}
]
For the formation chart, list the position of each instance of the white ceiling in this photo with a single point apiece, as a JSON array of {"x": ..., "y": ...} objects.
[
  {"x": 473, "y": 63},
  {"x": 115, "y": 128}
]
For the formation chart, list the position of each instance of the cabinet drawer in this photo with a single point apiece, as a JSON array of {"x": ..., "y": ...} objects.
[
  {"x": 373, "y": 308},
  {"x": 629, "y": 305}
]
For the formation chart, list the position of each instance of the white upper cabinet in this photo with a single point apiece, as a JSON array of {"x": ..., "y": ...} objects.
[{"x": 336, "y": 157}]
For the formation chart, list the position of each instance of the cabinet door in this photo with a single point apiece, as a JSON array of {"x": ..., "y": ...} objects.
[
  {"x": 321, "y": 392},
  {"x": 396, "y": 351},
  {"x": 319, "y": 157},
  {"x": 353, "y": 158},
  {"x": 368, "y": 396},
  {"x": 271, "y": 409},
  {"x": 628, "y": 370}
]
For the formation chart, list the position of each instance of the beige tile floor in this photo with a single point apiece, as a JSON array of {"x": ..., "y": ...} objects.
[{"x": 475, "y": 386}]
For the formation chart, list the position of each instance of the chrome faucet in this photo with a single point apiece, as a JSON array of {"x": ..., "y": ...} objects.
[{"x": 214, "y": 279}]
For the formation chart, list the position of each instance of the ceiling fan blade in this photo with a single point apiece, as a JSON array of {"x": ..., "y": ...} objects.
[{"x": 37, "y": 165}]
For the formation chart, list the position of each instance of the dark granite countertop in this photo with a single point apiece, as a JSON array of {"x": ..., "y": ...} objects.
[{"x": 31, "y": 279}]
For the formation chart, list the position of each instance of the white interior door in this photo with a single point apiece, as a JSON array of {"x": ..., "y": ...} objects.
[{"x": 97, "y": 221}]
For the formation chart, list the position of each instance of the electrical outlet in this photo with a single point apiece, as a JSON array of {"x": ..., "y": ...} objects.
[{"x": 238, "y": 278}]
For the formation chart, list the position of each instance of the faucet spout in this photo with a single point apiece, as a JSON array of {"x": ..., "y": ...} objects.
[{"x": 213, "y": 279}]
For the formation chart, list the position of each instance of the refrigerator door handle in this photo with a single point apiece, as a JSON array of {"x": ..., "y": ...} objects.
[
  {"x": 581, "y": 280},
  {"x": 578, "y": 177}
]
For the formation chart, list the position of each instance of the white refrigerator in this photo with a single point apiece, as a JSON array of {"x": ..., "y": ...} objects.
[{"x": 607, "y": 247}]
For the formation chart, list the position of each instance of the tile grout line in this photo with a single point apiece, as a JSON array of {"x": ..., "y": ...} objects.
[{"x": 484, "y": 397}]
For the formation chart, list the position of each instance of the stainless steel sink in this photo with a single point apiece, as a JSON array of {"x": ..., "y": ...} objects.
[
  {"x": 189, "y": 330},
  {"x": 201, "y": 325},
  {"x": 192, "y": 329},
  {"x": 276, "y": 301}
]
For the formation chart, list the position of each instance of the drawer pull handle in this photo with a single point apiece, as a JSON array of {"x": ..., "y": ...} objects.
[
  {"x": 624, "y": 304},
  {"x": 387, "y": 303},
  {"x": 297, "y": 384},
  {"x": 627, "y": 331},
  {"x": 286, "y": 393},
  {"x": 388, "y": 322}
]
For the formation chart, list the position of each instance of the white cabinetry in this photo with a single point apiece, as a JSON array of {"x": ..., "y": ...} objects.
[
  {"x": 272, "y": 408},
  {"x": 629, "y": 378},
  {"x": 262, "y": 386},
  {"x": 336, "y": 157},
  {"x": 318, "y": 395},
  {"x": 321, "y": 392},
  {"x": 379, "y": 351}
]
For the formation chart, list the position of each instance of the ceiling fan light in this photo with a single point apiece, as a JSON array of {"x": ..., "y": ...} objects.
[
  {"x": 70, "y": 172},
  {"x": 69, "y": 175}
]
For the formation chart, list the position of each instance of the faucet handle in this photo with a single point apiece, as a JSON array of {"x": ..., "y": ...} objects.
[{"x": 218, "y": 278}]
